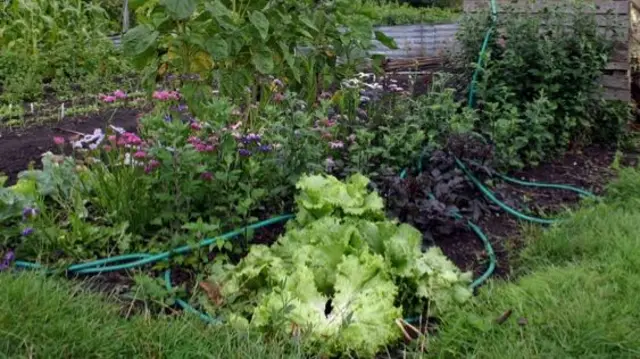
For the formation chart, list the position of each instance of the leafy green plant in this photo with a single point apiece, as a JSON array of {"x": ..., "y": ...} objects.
[
  {"x": 335, "y": 278},
  {"x": 402, "y": 13},
  {"x": 538, "y": 87},
  {"x": 54, "y": 45},
  {"x": 233, "y": 42},
  {"x": 395, "y": 139}
]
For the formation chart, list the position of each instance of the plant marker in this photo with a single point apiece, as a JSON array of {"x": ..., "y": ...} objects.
[
  {"x": 32, "y": 108},
  {"x": 62, "y": 111}
]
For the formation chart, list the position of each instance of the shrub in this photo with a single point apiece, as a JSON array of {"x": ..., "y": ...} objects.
[{"x": 538, "y": 88}]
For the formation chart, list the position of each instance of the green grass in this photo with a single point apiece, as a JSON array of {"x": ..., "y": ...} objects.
[
  {"x": 46, "y": 318},
  {"x": 403, "y": 14},
  {"x": 578, "y": 297}
]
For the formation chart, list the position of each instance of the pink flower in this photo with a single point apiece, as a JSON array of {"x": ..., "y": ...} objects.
[
  {"x": 166, "y": 95},
  {"x": 152, "y": 165},
  {"x": 140, "y": 155},
  {"x": 329, "y": 123},
  {"x": 58, "y": 140},
  {"x": 108, "y": 98},
  {"x": 209, "y": 148},
  {"x": 119, "y": 94},
  {"x": 160, "y": 95},
  {"x": 237, "y": 125},
  {"x": 278, "y": 97},
  {"x": 336, "y": 144},
  {"x": 196, "y": 126},
  {"x": 112, "y": 138},
  {"x": 131, "y": 139},
  {"x": 107, "y": 148}
]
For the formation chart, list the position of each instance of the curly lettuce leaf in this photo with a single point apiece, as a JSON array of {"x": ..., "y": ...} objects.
[
  {"x": 440, "y": 282},
  {"x": 321, "y": 245},
  {"x": 362, "y": 319},
  {"x": 322, "y": 195}
]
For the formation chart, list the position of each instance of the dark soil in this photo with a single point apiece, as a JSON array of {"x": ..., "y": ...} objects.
[
  {"x": 588, "y": 169},
  {"x": 19, "y": 147}
]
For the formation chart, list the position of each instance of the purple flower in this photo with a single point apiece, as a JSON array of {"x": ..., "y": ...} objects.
[
  {"x": 6, "y": 261},
  {"x": 29, "y": 212},
  {"x": 206, "y": 176},
  {"x": 152, "y": 165},
  {"x": 168, "y": 118},
  {"x": 265, "y": 148},
  {"x": 252, "y": 137},
  {"x": 27, "y": 231},
  {"x": 244, "y": 152}
]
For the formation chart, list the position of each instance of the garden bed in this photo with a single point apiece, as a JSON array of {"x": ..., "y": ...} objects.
[
  {"x": 589, "y": 168},
  {"x": 27, "y": 144}
]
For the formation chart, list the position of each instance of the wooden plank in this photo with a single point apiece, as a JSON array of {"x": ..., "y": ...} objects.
[
  {"x": 618, "y": 81},
  {"x": 619, "y": 66},
  {"x": 615, "y": 94}
]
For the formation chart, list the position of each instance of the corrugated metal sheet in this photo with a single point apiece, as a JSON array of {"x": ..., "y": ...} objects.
[
  {"x": 412, "y": 40},
  {"x": 416, "y": 40}
]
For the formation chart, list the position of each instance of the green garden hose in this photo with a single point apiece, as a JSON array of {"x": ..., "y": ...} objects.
[{"x": 140, "y": 259}]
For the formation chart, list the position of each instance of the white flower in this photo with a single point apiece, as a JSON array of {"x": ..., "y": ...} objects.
[
  {"x": 374, "y": 86},
  {"x": 119, "y": 130},
  {"x": 129, "y": 161},
  {"x": 93, "y": 140}
]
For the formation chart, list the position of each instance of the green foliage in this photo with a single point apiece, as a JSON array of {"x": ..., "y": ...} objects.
[
  {"x": 401, "y": 13},
  {"x": 326, "y": 196},
  {"x": 393, "y": 140},
  {"x": 233, "y": 42},
  {"x": 340, "y": 278},
  {"x": 59, "y": 45},
  {"x": 538, "y": 89}
]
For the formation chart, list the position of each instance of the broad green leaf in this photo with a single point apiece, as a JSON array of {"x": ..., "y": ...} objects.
[
  {"x": 263, "y": 60},
  {"x": 308, "y": 22},
  {"x": 386, "y": 40},
  {"x": 179, "y": 9},
  {"x": 261, "y": 23},
  {"x": 135, "y": 4},
  {"x": 217, "y": 47},
  {"x": 217, "y": 8},
  {"x": 138, "y": 40}
]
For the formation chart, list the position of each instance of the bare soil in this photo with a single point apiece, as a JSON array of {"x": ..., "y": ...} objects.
[{"x": 22, "y": 146}]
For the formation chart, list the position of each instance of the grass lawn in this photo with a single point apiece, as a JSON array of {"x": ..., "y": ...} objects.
[
  {"x": 578, "y": 296},
  {"x": 46, "y": 318}
]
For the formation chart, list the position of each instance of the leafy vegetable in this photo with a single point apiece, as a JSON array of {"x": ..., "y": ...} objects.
[{"x": 336, "y": 276}]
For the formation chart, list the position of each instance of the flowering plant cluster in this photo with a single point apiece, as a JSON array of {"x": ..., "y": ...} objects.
[{"x": 113, "y": 97}]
